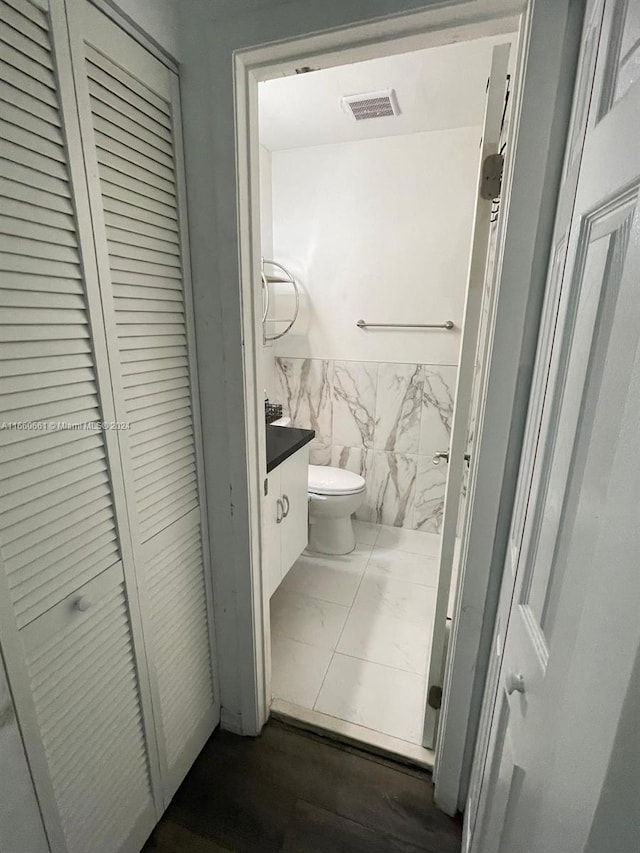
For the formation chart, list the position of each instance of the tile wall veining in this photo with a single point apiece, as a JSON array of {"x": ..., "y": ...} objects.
[{"x": 384, "y": 421}]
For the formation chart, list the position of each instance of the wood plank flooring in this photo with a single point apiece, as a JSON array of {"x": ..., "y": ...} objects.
[{"x": 289, "y": 791}]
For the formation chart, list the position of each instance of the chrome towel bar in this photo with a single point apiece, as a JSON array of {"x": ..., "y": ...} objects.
[{"x": 361, "y": 324}]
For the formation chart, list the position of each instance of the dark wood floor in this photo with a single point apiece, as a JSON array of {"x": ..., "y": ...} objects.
[{"x": 293, "y": 792}]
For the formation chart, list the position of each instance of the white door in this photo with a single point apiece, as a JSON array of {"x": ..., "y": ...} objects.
[
  {"x": 104, "y": 625},
  {"x": 564, "y": 665},
  {"x": 69, "y": 621},
  {"x": 129, "y": 118},
  {"x": 466, "y": 376},
  {"x": 294, "y": 485}
]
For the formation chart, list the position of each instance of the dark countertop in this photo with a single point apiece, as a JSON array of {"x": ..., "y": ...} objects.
[{"x": 283, "y": 441}]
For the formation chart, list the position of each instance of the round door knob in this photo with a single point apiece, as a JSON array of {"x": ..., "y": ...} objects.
[
  {"x": 514, "y": 682},
  {"x": 83, "y": 603}
]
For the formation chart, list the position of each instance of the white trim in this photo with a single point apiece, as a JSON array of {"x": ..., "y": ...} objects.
[
  {"x": 533, "y": 174},
  {"x": 353, "y": 734},
  {"x": 476, "y": 293},
  {"x": 540, "y": 158},
  {"x": 395, "y": 35},
  {"x": 185, "y": 252},
  {"x": 111, "y": 9}
]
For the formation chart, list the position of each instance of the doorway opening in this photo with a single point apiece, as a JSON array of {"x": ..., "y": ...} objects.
[{"x": 368, "y": 224}]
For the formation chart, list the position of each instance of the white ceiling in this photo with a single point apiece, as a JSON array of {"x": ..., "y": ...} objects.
[{"x": 437, "y": 89}]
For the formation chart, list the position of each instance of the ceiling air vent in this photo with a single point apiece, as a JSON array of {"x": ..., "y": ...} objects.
[{"x": 371, "y": 105}]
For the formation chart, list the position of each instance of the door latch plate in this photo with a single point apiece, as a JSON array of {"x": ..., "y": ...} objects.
[
  {"x": 434, "y": 699},
  {"x": 491, "y": 180}
]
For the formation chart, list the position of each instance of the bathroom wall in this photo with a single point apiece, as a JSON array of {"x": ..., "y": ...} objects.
[
  {"x": 377, "y": 229},
  {"x": 382, "y": 420},
  {"x": 266, "y": 248}
]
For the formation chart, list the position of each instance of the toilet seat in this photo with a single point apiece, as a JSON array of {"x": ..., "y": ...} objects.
[{"x": 324, "y": 480}]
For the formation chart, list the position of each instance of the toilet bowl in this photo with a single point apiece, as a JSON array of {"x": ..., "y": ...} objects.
[{"x": 334, "y": 495}]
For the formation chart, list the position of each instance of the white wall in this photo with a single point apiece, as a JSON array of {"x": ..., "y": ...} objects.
[
  {"x": 266, "y": 248},
  {"x": 159, "y": 19},
  {"x": 266, "y": 203},
  {"x": 378, "y": 229}
]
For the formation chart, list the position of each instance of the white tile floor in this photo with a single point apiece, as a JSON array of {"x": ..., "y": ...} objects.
[{"x": 351, "y": 635}]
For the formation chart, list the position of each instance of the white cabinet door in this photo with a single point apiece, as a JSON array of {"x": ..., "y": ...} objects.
[
  {"x": 130, "y": 125},
  {"x": 294, "y": 478},
  {"x": 272, "y": 523}
]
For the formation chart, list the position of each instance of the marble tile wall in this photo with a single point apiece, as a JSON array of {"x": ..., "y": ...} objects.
[{"x": 385, "y": 421}]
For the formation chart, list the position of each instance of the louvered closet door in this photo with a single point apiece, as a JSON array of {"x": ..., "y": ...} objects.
[
  {"x": 67, "y": 624},
  {"x": 130, "y": 127}
]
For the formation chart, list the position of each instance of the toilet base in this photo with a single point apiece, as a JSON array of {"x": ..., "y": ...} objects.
[{"x": 332, "y": 535}]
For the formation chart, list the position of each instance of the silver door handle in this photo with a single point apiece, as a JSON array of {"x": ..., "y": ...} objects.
[
  {"x": 514, "y": 683},
  {"x": 285, "y": 509},
  {"x": 441, "y": 454},
  {"x": 279, "y": 511}
]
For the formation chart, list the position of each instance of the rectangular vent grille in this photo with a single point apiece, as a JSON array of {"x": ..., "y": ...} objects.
[{"x": 372, "y": 105}]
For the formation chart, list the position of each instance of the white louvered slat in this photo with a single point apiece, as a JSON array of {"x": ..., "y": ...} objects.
[
  {"x": 16, "y": 59},
  {"x": 154, "y": 175},
  {"x": 40, "y": 89},
  {"x": 121, "y": 141},
  {"x": 29, "y": 11},
  {"x": 26, "y": 46},
  {"x": 82, "y": 675},
  {"x": 150, "y": 279},
  {"x": 149, "y": 188},
  {"x": 19, "y": 153},
  {"x": 105, "y": 88},
  {"x": 31, "y": 230},
  {"x": 14, "y": 17},
  {"x": 123, "y": 157},
  {"x": 34, "y": 124},
  {"x": 120, "y": 126},
  {"x": 29, "y": 103},
  {"x": 34, "y": 195},
  {"x": 133, "y": 227}
]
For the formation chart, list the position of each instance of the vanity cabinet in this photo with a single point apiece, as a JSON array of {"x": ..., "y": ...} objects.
[{"x": 286, "y": 516}]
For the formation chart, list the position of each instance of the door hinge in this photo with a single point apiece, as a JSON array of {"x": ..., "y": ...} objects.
[
  {"x": 266, "y": 486},
  {"x": 491, "y": 181},
  {"x": 434, "y": 699}
]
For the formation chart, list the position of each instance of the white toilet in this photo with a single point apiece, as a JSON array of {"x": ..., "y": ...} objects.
[{"x": 334, "y": 494}]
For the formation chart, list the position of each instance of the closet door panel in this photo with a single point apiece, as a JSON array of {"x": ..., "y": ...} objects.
[
  {"x": 77, "y": 675},
  {"x": 83, "y": 677},
  {"x": 45, "y": 333},
  {"x": 131, "y": 136}
]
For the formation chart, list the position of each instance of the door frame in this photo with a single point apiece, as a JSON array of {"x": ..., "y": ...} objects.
[{"x": 522, "y": 261}]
